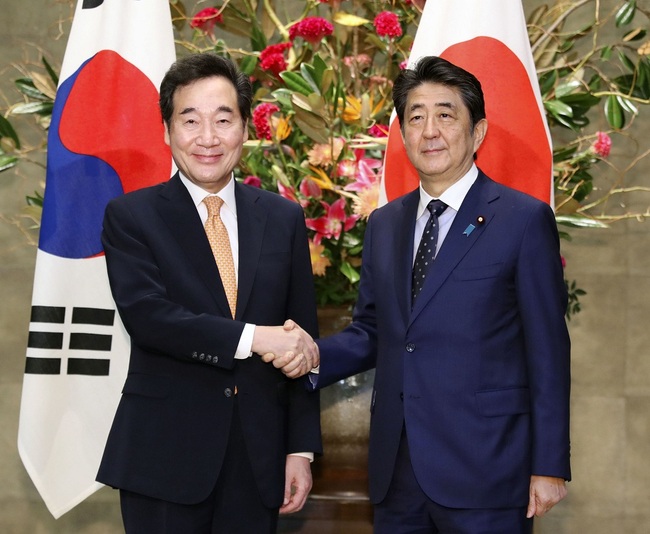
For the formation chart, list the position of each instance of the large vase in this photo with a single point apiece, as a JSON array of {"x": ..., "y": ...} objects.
[{"x": 341, "y": 473}]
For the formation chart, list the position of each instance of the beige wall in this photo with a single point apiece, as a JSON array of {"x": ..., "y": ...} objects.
[{"x": 611, "y": 346}]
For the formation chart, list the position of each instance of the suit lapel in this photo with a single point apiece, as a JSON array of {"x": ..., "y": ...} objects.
[
  {"x": 179, "y": 214},
  {"x": 475, "y": 214},
  {"x": 403, "y": 247}
]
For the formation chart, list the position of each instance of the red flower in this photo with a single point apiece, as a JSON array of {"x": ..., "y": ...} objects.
[
  {"x": 333, "y": 223},
  {"x": 603, "y": 145},
  {"x": 387, "y": 24},
  {"x": 378, "y": 130},
  {"x": 205, "y": 19},
  {"x": 261, "y": 119},
  {"x": 255, "y": 181},
  {"x": 272, "y": 58},
  {"x": 311, "y": 29}
]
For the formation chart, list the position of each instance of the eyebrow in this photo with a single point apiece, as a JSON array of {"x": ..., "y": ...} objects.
[
  {"x": 226, "y": 109},
  {"x": 448, "y": 105}
]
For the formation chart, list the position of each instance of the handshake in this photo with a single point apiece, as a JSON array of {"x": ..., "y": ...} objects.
[{"x": 288, "y": 347}]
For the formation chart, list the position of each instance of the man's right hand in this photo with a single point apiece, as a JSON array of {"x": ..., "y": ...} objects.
[{"x": 290, "y": 348}]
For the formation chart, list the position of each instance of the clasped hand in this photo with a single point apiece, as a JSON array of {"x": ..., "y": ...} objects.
[{"x": 289, "y": 348}]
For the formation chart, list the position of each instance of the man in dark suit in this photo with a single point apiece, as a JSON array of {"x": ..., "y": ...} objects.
[
  {"x": 470, "y": 409},
  {"x": 207, "y": 437}
]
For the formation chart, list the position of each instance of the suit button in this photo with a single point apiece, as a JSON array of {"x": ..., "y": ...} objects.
[
  {"x": 401, "y": 396},
  {"x": 227, "y": 392},
  {"x": 410, "y": 347},
  {"x": 195, "y": 355},
  {"x": 202, "y": 356},
  {"x": 215, "y": 359}
]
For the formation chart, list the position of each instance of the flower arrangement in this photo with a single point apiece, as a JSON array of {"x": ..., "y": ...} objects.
[
  {"x": 322, "y": 75},
  {"x": 322, "y": 78}
]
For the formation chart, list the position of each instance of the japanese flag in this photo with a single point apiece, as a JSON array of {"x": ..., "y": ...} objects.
[
  {"x": 489, "y": 39},
  {"x": 106, "y": 138}
]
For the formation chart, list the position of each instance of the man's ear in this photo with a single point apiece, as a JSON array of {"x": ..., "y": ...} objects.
[
  {"x": 167, "y": 139},
  {"x": 480, "y": 131}
]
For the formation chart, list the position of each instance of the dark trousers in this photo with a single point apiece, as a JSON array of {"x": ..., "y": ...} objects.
[
  {"x": 407, "y": 510},
  {"x": 233, "y": 507}
]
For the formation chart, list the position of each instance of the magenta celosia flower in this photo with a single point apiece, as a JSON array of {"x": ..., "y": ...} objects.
[
  {"x": 603, "y": 145},
  {"x": 311, "y": 29},
  {"x": 387, "y": 24},
  {"x": 272, "y": 58},
  {"x": 205, "y": 19},
  {"x": 255, "y": 181},
  {"x": 261, "y": 119}
]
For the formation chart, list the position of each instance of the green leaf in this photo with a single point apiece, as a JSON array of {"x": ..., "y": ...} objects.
[
  {"x": 579, "y": 221},
  {"x": 627, "y": 62},
  {"x": 565, "y": 89},
  {"x": 42, "y": 108},
  {"x": 258, "y": 40},
  {"x": 350, "y": 272},
  {"x": 7, "y": 130},
  {"x": 614, "y": 112},
  {"x": 51, "y": 72},
  {"x": 626, "y": 13},
  {"x": 307, "y": 71},
  {"x": 556, "y": 107},
  {"x": 7, "y": 162},
  {"x": 248, "y": 64},
  {"x": 26, "y": 86},
  {"x": 295, "y": 82},
  {"x": 606, "y": 52}
]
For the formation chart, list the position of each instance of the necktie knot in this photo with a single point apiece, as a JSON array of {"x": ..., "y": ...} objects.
[
  {"x": 436, "y": 207},
  {"x": 213, "y": 203}
]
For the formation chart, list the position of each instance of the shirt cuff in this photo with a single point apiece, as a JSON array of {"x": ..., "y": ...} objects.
[
  {"x": 308, "y": 455},
  {"x": 245, "y": 342}
]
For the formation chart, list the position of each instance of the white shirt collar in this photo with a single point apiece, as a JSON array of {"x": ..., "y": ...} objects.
[
  {"x": 227, "y": 194},
  {"x": 453, "y": 196}
]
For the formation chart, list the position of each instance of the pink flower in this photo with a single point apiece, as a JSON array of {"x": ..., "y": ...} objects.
[
  {"x": 205, "y": 19},
  {"x": 362, "y": 61},
  {"x": 272, "y": 58},
  {"x": 310, "y": 189},
  {"x": 603, "y": 145},
  {"x": 563, "y": 262},
  {"x": 403, "y": 65},
  {"x": 367, "y": 175},
  {"x": 333, "y": 222},
  {"x": 253, "y": 180},
  {"x": 378, "y": 130},
  {"x": 311, "y": 29},
  {"x": 261, "y": 120},
  {"x": 387, "y": 24}
]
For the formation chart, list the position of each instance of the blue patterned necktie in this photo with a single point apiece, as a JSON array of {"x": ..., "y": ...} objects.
[{"x": 427, "y": 248}]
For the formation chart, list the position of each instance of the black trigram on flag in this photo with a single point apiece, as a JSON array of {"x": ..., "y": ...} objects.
[{"x": 90, "y": 320}]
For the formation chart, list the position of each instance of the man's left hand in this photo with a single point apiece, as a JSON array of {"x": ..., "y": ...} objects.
[
  {"x": 545, "y": 492},
  {"x": 297, "y": 484}
]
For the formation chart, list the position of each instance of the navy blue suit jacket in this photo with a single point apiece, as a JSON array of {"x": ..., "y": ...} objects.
[
  {"x": 169, "y": 436},
  {"x": 479, "y": 369}
]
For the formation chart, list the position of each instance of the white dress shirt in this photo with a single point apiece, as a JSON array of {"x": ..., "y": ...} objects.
[{"x": 453, "y": 196}]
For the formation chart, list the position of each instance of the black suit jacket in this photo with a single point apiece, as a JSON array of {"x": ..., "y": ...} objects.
[{"x": 170, "y": 432}]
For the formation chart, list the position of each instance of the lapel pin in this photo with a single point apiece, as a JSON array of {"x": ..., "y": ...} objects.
[
  {"x": 469, "y": 229},
  {"x": 480, "y": 219}
]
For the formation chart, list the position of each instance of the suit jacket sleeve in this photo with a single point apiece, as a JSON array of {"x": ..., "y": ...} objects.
[{"x": 542, "y": 302}]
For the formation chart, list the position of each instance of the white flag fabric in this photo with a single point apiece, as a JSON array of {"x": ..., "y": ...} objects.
[
  {"x": 106, "y": 138},
  {"x": 489, "y": 39}
]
